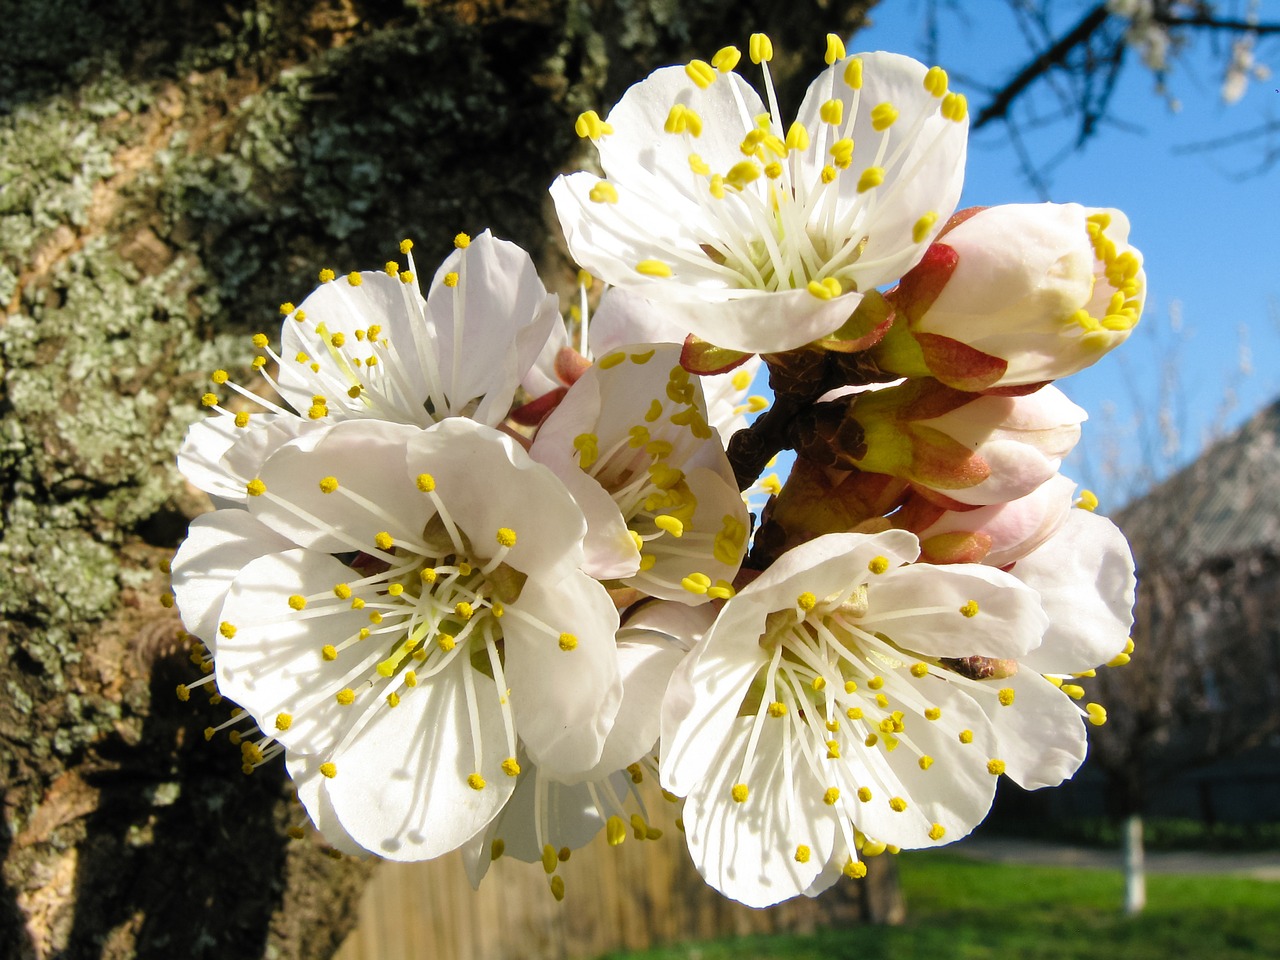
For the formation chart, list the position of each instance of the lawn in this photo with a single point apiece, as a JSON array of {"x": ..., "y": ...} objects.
[{"x": 961, "y": 910}]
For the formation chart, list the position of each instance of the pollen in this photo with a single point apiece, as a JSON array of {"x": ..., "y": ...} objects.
[
  {"x": 354, "y": 278},
  {"x": 937, "y": 832},
  {"x": 966, "y": 736},
  {"x": 346, "y": 696},
  {"x": 825, "y": 289},
  {"x": 832, "y": 112},
  {"x": 1006, "y": 696},
  {"x": 853, "y": 73},
  {"x": 589, "y": 126},
  {"x": 726, "y": 58},
  {"x": 511, "y": 767},
  {"x": 465, "y": 610},
  {"x": 1088, "y": 500},
  {"x": 283, "y": 721},
  {"x": 568, "y": 642},
  {"x": 925, "y": 762},
  {"x": 446, "y": 642},
  {"x": 875, "y": 683},
  {"x": 603, "y": 192},
  {"x": 241, "y": 419},
  {"x": 475, "y": 781},
  {"x": 923, "y": 227},
  {"x": 871, "y": 178},
  {"x": 298, "y": 602},
  {"x": 209, "y": 400},
  {"x": 328, "y": 770},
  {"x": 777, "y": 709},
  {"x": 897, "y": 804},
  {"x": 935, "y": 81},
  {"x": 850, "y": 686},
  {"x": 854, "y": 713},
  {"x": 1097, "y": 713},
  {"x": 970, "y": 609},
  {"x": 932, "y": 713},
  {"x": 864, "y": 794},
  {"x": 919, "y": 670},
  {"x": 227, "y": 629},
  {"x": 955, "y": 107},
  {"x": 506, "y": 537},
  {"x": 760, "y": 48},
  {"x": 450, "y": 279},
  {"x": 855, "y": 870},
  {"x": 830, "y": 796},
  {"x": 328, "y": 484},
  {"x": 739, "y": 793},
  {"x": 384, "y": 540},
  {"x": 329, "y": 652},
  {"x": 669, "y": 524},
  {"x": 835, "y": 49},
  {"x": 461, "y": 241},
  {"x": 701, "y": 73},
  {"x": 995, "y": 767}
]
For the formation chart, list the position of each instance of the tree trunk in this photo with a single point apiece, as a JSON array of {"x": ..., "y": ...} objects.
[{"x": 171, "y": 171}]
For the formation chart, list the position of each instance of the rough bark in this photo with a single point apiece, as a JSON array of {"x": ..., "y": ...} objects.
[{"x": 169, "y": 172}]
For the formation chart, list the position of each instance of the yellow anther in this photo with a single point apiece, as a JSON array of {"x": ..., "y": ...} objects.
[
  {"x": 919, "y": 669},
  {"x": 897, "y": 804},
  {"x": 669, "y": 524},
  {"x": 925, "y": 762},
  {"x": 682, "y": 119},
  {"x": 777, "y": 709},
  {"x": 937, "y": 832},
  {"x": 1073, "y": 691},
  {"x": 209, "y": 400},
  {"x": 875, "y": 683},
  {"x": 855, "y": 870},
  {"x": 833, "y": 749},
  {"x": 883, "y": 116},
  {"x": 698, "y": 165},
  {"x": 819, "y": 682},
  {"x": 739, "y": 793},
  {"x": 589, "y": 126},
  {"x": 298, "y": 602},
  {"x": 603, "y": 192},
  {"x": 864, "y": 794},
  {"x": 1088, "y": 500},
  {"x": 966, "y": 736},
  {"x": 1119, "y": 660},
  {"x": 475, "y": 781},
  {"x": 410, "y": 678},
  {"x": 970, "y": 609},
  {"x": 464, "y": 610},
  {"x": 850, "y": 686},
  {"x": 220, "y": 377},
  {"x": 935, "y": 81},
  {"x": 923, "y": 227},
  {"x": 446, "y": 642},
  {"x": 653, "y": 268},
  {"x": 1006, "y": 696},
  {"x": 1128, "y": 645},
  {"x": 506, "y": 537},
  {"x": 841, "y": 153},
  {"x": 228, "y": 630},
  {"x": 825, "y": 289},
  {"x": 835, "y": 49},
  {"x": 241, "y": 420},
  {"x": 871, "y": 178},
  {"x": 760, "y": 48},
  {"x": 832, "y": 112},
  {"x": 854, "y": 713},
  {"x": 742, "y": 173},
  {"x": 427, "y": 575},
  {"x": 354, "y": 278},
  {"x": 568, "y": 642},
  {"x": 393, "y": 699},
  {"x": 391, "y": 268},
  {"x": 853, "y": 73},
  {"x": 328, "y": 484},
  {"x": 726, "y": 59},
  {"x": 406, "y": 276},
  {"x": 995, "y": 767},
  {"x": 701, "y": 73},
  {"x": 384, "y": 540},
  {"x": 328, "y": 770},
  {"x": 955, "y": 107},
  {"x": 871, "y": 741},
  {"x": 326, "y": 275},
  {"x": 1097, "y": 713},
  {"x": 346, "y": 696},
  {"x": 286, "y": 308},
  {"x": 696, "y": 586},
  {"x": 329, "y": 652}
]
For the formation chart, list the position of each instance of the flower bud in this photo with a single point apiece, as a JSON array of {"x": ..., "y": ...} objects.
[
  {"x": 1017, "y": 294},
  {"x": 957, "y": 448},
  {"x": 996, "y": 535}
]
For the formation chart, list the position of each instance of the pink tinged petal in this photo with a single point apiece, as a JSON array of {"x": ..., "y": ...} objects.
[
  {"x": 747, "y": 850},
  {"x": 367, "y": 458},
  {"x": 955, "y": 791},
  {"x": 401, "y": 788},
  {"x": 218, "y": 546},
  {"x": 1041, "y": 735},
  {"x": 925, "y": 177},
  {"x": 338, "y": 307},
  {"x": 1084, "y": 576},
  {"x": 542, "y": 376},
  {"x": 273, "y": 663},
  {"x": 562, "y": 664},
  {"x": 955, "y": 611},
  {"x": 310, "y": 784},
  {"x": 487, "y": 482},
  {"x": 490, "y": 328}
]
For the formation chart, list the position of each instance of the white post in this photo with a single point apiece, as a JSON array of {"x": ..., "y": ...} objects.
[{"x": 1135, "y": 880}]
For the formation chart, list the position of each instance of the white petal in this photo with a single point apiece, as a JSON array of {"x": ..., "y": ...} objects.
[
  {"x": 487, "y": 482},
  {"x": 564, "y": 700},
  {"x": 401, "y": 788},
  {"x": 920, "y": 608},
  {"x": 309, "y": 782},
  {"x": 217, "y": 547},
  {"x": 747, "y": 850},
  {"x": 1041, "y": 735},
  {"x": 367, "y": 458},
  {"x": 646, "y": 661},
  {"x": 1084, "y": 575}
]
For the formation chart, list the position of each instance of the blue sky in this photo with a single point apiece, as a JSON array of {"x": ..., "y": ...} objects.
[{"x": 1208, "y": 236}]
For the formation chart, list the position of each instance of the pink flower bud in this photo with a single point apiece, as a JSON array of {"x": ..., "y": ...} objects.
[
  {"x": 1017, "y": 294},
  {"x": 996, "y": 535},
  {"x": 960, "y": 448}
]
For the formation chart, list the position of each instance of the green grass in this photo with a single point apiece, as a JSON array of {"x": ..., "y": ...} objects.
[{"x": 961, "y": 910}]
